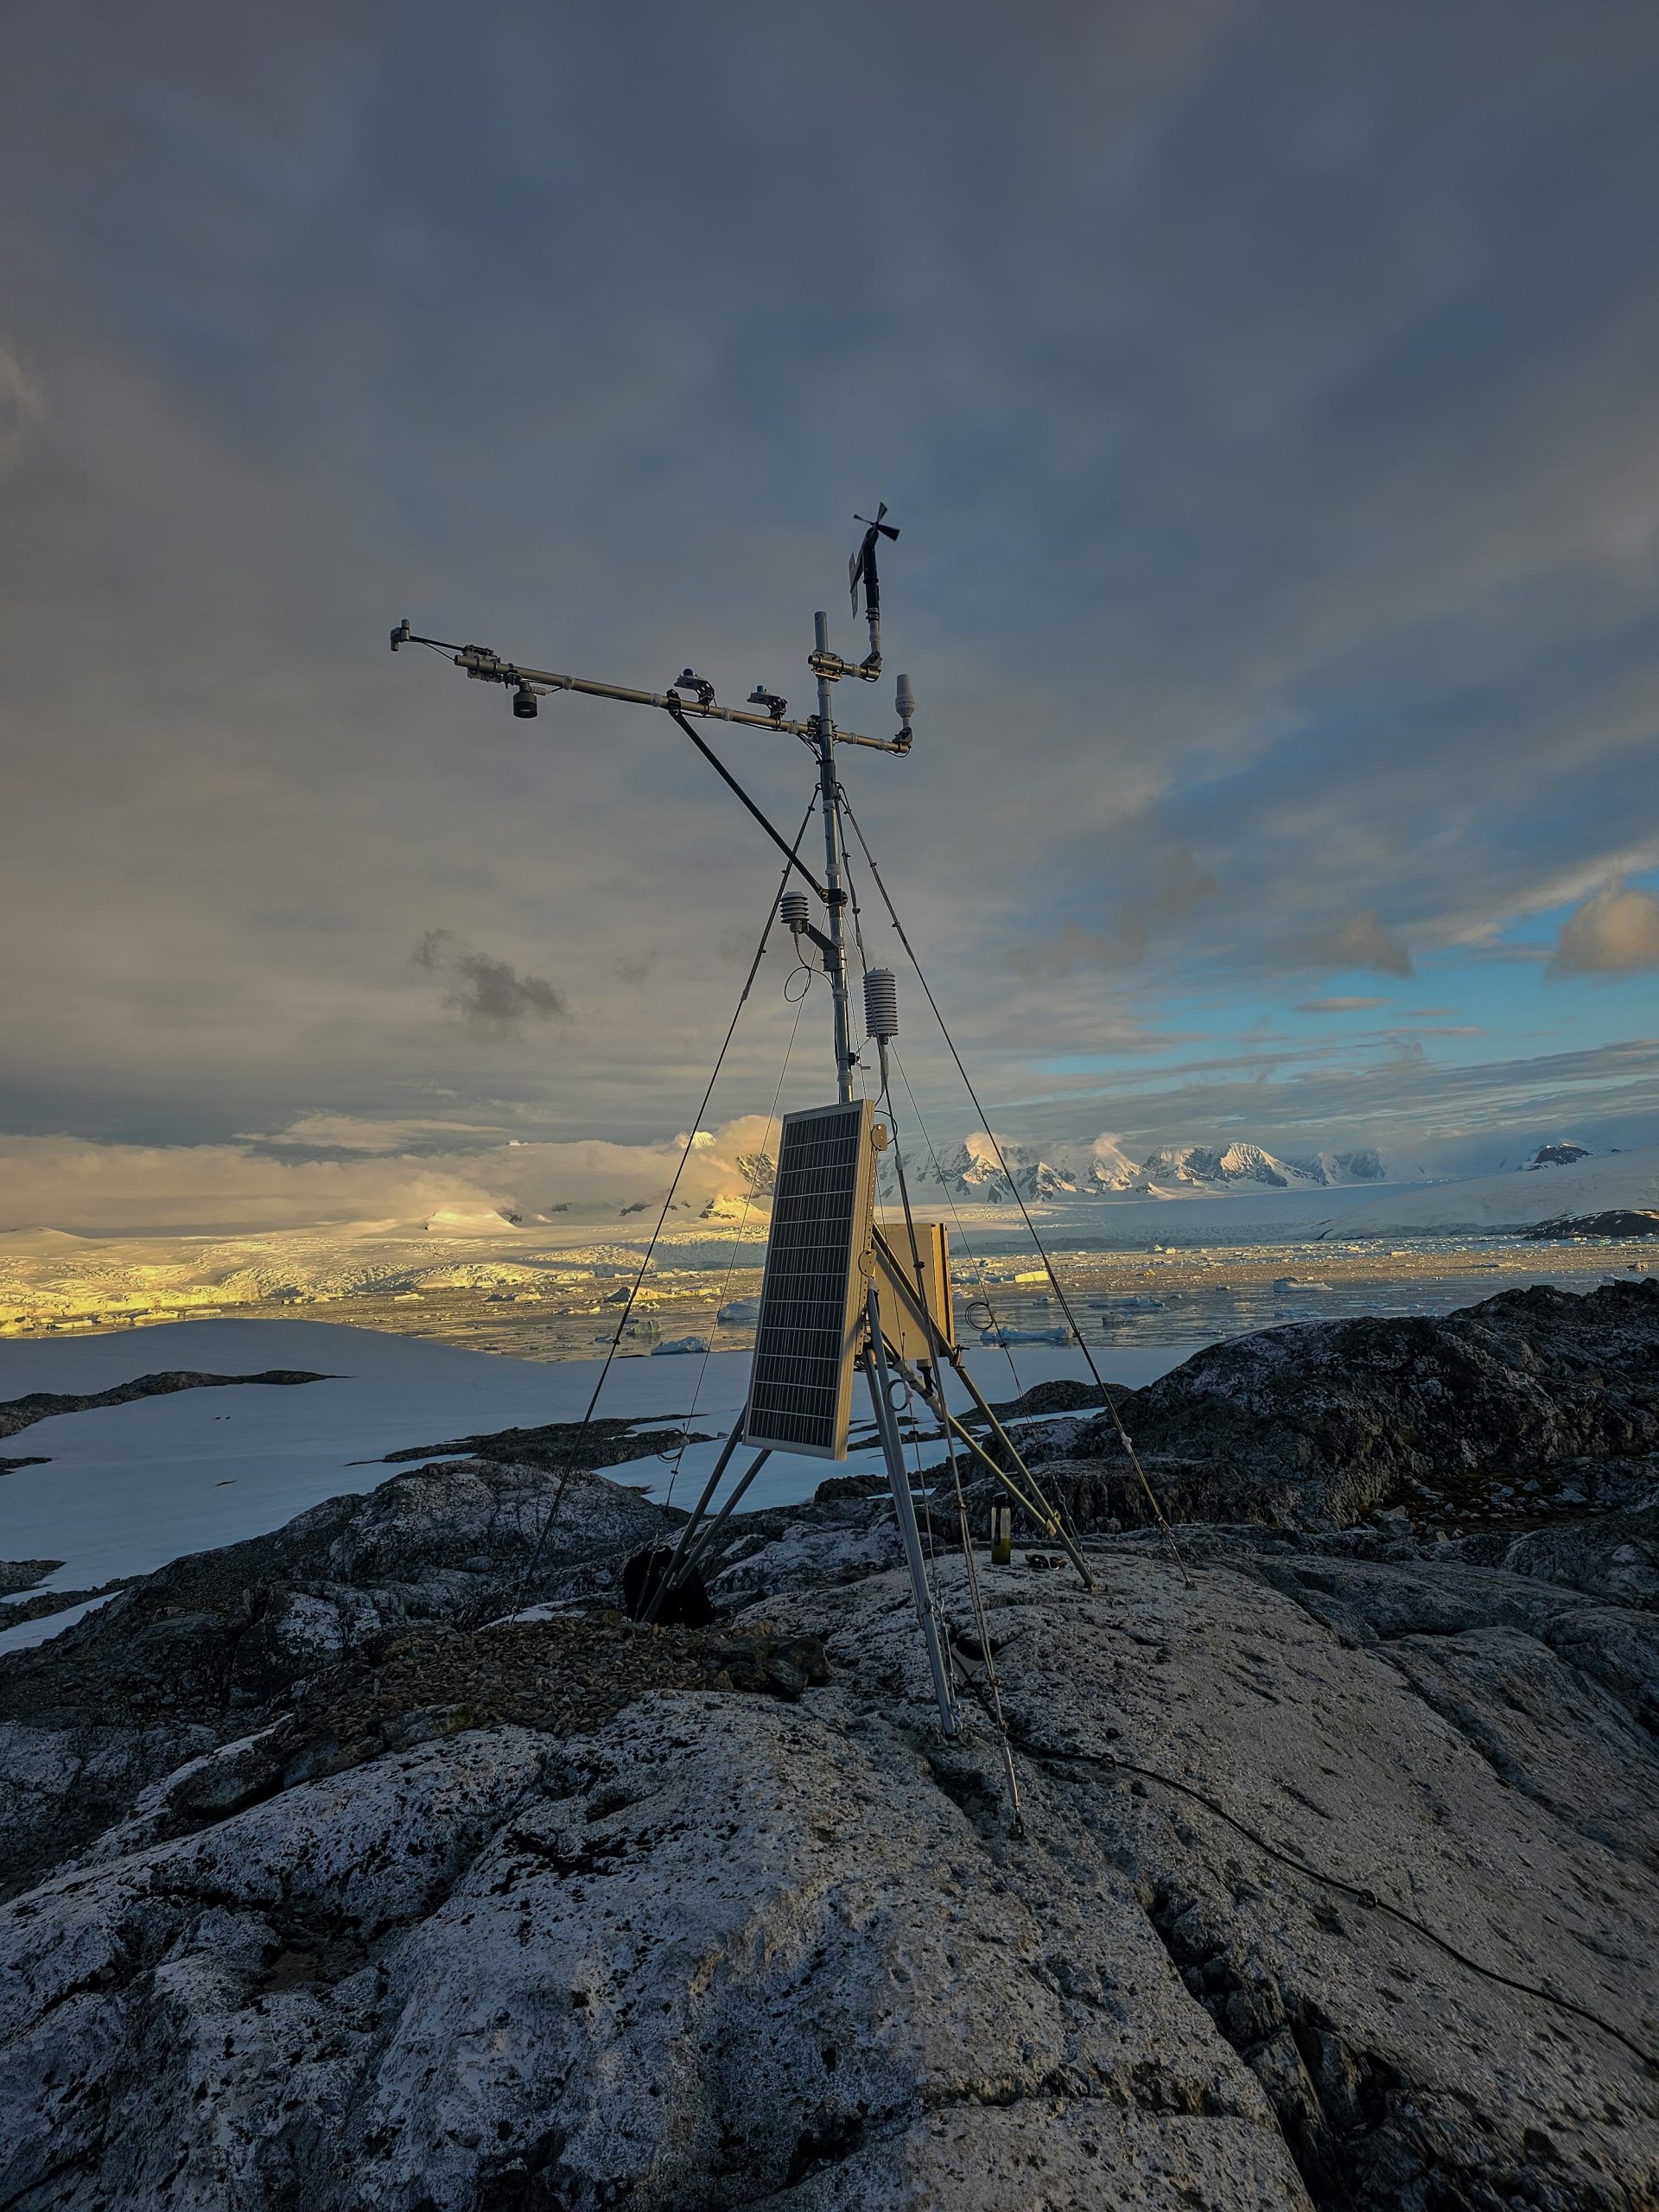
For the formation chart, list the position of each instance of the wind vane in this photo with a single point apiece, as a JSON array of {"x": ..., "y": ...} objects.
[{"x": 861, "y": 570}]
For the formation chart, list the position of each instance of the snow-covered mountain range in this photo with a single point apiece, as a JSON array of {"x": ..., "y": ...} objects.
[{"x": 971, "y": 1171}]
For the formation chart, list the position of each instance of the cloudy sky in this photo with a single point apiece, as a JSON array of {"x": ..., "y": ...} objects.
[{"x": 1267, "y": 395}]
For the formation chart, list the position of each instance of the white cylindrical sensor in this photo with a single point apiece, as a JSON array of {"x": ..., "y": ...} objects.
[
  {"x": 793, "y": 911},
  {"x": 880, "y": 1003}
]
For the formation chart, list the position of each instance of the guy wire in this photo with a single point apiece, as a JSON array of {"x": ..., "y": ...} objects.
[
  {"x": 731, "y": 1265},
  {"x": 863, "y": 1076},
  {"x": 932, "y": 1153},
  {"x": 890, "y": 1054},
  {"x": 622, "y": 1326},
  {"x": 1056, "y": 1504},
  {"x": 975, "y": 1595},
  {"x": 1006, "y": 1349},
  {"x": 1041, "y": 1249}
]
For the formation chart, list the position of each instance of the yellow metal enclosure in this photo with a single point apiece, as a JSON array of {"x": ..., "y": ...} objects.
[{"x": 896, "y": 1275}]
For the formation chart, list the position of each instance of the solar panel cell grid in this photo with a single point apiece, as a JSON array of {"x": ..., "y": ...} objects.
[{"x": 819, "y": 1222}]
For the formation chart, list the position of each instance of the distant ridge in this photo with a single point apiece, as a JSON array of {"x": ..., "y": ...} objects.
[
  {"x": 971, "y": 1171},
  {"x": 1513, "y": 1201}
]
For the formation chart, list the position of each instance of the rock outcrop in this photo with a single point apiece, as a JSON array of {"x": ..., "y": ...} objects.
[
  {"x": 187, "y": 1658},
  {"x": 41, "y": 1405},
  {"x": 727, "y": 1950},
  {"x": 337, "y": 1887},
  {"x": 1616, "y": 1221},
  {"x": 1322, "y": 1421}
]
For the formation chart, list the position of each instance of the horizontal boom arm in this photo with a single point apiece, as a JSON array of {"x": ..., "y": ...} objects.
[{"x": 487, "y": 667}]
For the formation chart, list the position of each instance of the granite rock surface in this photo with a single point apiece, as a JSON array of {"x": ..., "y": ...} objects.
[
  {"x": 382, "y": 1865},
  {"x": 728, "y": 1949},
  {"x": 1322, "y": 1421}
]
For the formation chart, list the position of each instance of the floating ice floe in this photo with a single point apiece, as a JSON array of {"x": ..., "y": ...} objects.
[{"x": 1003, "y": 1337}]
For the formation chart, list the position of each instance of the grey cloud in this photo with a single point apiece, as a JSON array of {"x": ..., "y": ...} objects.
[
  {"x": 1356, "y": 941},
  {"x": 1072, "y": 946},
  {"x": 1339, "y": 1005},
  {"x": 1615, "y": 933},
  {"x": 1180, "y": 888},
  {"x": 489, "y": 995},
  {"x": 22, "y": 404},
  {"x": 1185, "y": 887},
  {"x": 1265, "y": 393}
]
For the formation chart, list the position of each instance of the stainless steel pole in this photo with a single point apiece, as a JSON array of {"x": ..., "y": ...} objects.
[
  {"x": 824, "y": 741},
  {"x": 904, "y": 1506}
]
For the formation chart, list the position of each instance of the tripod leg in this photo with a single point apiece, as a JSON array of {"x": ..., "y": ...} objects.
[
  {"x": 875, "y": 1373},
  {"x": 1008, "y": 1444},
  {"x": 1037, "y": 1511},
  {"x": 698, "y": 1511},
  {"x": 699, "y": 1550}
]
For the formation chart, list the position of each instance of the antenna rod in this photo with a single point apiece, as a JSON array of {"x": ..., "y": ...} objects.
[{"x": 824, "y": 737}]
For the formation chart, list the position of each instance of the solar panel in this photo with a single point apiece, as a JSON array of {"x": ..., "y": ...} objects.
[{"x": 813, "y": 1293}]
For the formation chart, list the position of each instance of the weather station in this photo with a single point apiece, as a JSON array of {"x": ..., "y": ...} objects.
[{"x": 841, "y": 1295}]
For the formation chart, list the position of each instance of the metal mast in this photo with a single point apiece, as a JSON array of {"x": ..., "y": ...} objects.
[
  {"x": 689, "y": 697},
  {"x": 835, "y": 958}
]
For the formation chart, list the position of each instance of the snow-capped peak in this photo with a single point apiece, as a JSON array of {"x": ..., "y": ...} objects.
[
  {"x": 1562, "y": 1153},
  {"x": 971, "y": 1171}
]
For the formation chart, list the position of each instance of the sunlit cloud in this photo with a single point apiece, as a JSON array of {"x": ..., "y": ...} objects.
[
  {"x": 64, "y": 1183},
  {"x": 1616, "y": 932},
  {"x": 1356, "y": 941}
]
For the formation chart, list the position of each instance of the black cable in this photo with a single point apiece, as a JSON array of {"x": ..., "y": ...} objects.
[
  {"x": 1369, "y": 1899},
  {"x": 1031, "y": 1226},
  {"x": 622, "y": 1326}
]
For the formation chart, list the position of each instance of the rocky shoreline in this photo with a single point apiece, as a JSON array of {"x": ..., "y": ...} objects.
[
  {"x": 382, "y": 1862},
  {"x": 42, "y": 1405}
]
